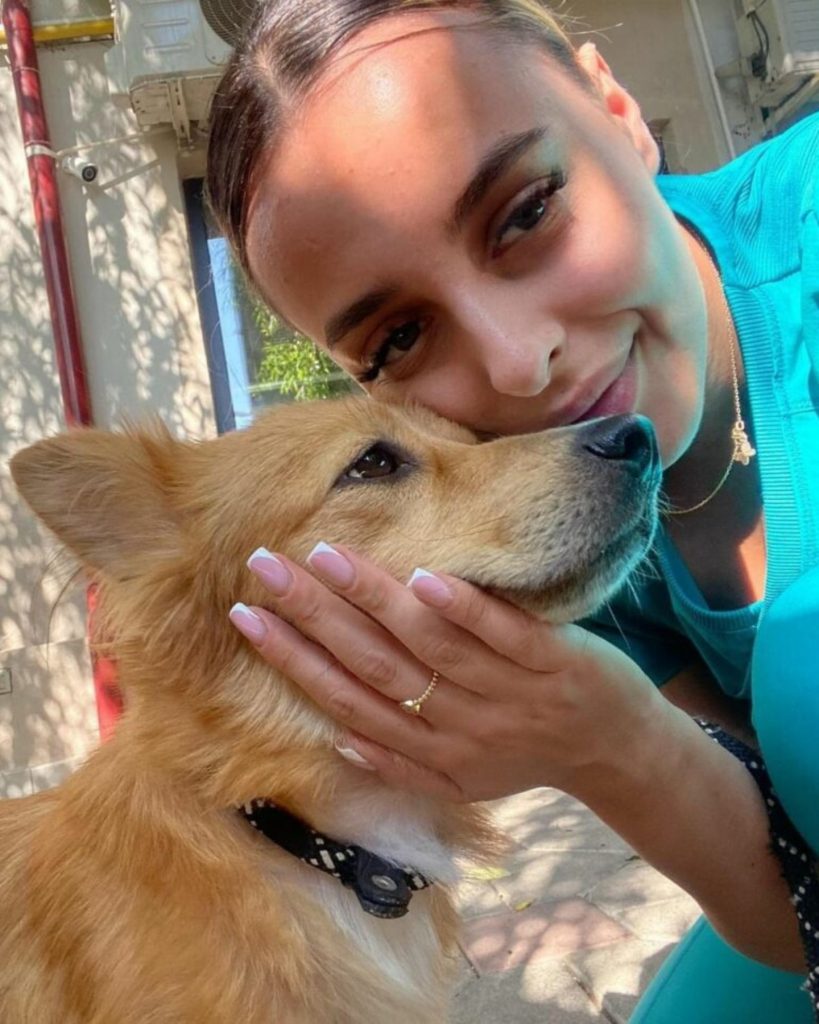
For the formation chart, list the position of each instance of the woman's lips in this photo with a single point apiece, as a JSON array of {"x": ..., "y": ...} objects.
[{"x": 619, "y": 396}]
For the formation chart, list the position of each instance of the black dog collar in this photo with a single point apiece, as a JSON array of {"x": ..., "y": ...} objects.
[{"x": 383, "y": 889}]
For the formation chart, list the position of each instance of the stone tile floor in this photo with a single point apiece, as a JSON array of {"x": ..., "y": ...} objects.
[{"x": 569, "y": 928}]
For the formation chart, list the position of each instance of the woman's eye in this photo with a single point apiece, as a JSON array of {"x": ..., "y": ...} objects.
[
  {"x": 399, "y": 339},
  {"x": 529, "y": 212},
  {"x": 405, "y": 336},
  {"x": 378, "y": 461}
]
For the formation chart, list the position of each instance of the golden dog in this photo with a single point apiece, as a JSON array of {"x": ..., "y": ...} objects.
[{"x": 138, "y": 892}]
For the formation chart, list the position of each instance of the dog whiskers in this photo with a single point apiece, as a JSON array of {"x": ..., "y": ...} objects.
[{"x": 608, "y": 607}]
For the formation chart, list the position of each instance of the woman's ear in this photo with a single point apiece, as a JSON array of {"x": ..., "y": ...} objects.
[{"x": 620, "y": 104}]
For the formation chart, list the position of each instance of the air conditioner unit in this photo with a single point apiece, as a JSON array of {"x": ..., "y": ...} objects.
[
  {"x": 168, "y": 56},
  {"x": 779, "y": 43}
]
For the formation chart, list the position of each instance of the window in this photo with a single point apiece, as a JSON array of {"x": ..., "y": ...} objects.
[{"x": 255, "y": 361}]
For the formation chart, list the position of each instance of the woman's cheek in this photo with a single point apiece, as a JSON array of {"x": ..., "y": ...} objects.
[
  {"x": 670, "y": 394},
  {"x": 605, "y": 262}
]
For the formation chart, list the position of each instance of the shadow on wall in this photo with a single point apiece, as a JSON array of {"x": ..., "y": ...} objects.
[
  {"x": 47, "y": 717},
  {"x": 137, "y": 307},
  {"x": 131, "y": 260}
]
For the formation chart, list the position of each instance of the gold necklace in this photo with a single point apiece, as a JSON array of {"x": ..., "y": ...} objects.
[{"x": 743, "y": 451}]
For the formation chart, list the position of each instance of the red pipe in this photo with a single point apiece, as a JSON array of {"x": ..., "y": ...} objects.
[
  {"x": 45, "y": 194},
  {"x": 43, "y": 177}
]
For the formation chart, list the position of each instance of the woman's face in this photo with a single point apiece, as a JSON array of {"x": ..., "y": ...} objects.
[{"x": 461, "y": 225}]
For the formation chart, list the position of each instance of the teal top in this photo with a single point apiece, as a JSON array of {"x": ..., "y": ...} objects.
[{"x": 760, "y": 216}]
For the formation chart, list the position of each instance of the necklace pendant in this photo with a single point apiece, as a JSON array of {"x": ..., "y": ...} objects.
[{"x": 744, "y": 451}]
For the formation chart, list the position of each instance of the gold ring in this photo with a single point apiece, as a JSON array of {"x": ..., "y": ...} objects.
[{"x": 413, "y": 705}]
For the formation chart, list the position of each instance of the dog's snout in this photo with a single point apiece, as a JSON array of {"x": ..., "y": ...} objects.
[{"x": 624, "y": 439}]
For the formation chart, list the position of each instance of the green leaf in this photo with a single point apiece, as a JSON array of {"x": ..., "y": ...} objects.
[
  {"x": 486, "y": 874},
  {"x": 292, "y": 362}
]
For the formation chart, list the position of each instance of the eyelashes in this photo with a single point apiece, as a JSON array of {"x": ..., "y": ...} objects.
[
  {"x": 532, "y": 209},
  {"x": 401, "y": 338}
]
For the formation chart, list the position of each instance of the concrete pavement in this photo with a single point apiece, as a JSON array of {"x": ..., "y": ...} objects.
[{"x": 569, "y": 928}]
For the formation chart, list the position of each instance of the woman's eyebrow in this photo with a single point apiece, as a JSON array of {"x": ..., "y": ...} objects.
[{"x": 494, "y": 164}]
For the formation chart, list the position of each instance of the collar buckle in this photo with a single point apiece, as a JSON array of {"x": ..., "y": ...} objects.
[{"x": 383, "y": 889}]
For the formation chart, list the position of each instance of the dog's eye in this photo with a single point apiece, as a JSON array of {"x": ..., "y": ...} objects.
[{"x": 378, "y": 461}]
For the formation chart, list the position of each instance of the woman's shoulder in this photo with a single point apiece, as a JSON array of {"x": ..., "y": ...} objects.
[
  {"x": 778, "y": 191},
  {"x": 755, "y": 208},
  {"x": 789, "y": 160},
  {"x": 790, "y": 156},
  {"x": 801, "y": 136}
]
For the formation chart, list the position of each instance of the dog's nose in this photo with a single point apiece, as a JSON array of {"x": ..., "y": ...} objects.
[{"x": 626, "y": 439}]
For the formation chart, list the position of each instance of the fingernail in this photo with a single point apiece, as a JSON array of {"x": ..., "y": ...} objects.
[
  {"x": 430, "y": 588},
  {"x": 331, "y": 565},
  {"x": 273, "y": 573},
  {"x": 355, "y": 758},
  {"x": 248, "y": 622}
]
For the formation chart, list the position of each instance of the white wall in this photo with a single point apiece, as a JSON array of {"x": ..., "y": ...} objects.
[
  {"x": 137, "y": 307},
  {"x": 744, "y": 118},
  {"x": 653, "y": 48}
]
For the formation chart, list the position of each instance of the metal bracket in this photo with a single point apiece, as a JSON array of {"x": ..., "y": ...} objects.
[
  {"x": 39, "y": 149},
  {"x": 116, "y": 141},
  {"x": 179, "y": 112},
  {"x": 733, "y": 69}
]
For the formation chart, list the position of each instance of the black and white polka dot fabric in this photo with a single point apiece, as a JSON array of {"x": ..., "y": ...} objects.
[
  {"x": 797, "y": 861},
  {"x": 383, "y": 889}
]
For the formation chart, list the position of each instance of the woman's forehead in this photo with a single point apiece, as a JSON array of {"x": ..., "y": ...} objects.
[
  {"x": 389, "y": 134},
  {"x": 430, "y": 78}
]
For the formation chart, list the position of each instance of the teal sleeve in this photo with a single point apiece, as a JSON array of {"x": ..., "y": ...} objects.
[
  {"x": 785, "y": 681},
  {"x": 705, "y": 981},
  {"x": 810, "y": 273}
]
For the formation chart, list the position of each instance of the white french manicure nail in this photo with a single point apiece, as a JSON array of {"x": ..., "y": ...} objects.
[
  {"x": 355, "y": 758},
  {"x": 332, "y": 565},
  {"x": 430, "y": 588},
  {"x": 419, "y": 574},
  {"x": 248, "y": 622},
  {"x": 322, "y": 549}
]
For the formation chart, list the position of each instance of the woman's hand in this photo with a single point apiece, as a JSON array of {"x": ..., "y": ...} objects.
[{"x": 520, "y": 703}]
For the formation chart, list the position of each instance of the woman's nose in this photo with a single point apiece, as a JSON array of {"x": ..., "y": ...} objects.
[
  {"x": 514, "y": 346},
  {"x": 520, "y": 363}
]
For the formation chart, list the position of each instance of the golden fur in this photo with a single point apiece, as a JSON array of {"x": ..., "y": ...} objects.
[{"x": 134, "y": 893}]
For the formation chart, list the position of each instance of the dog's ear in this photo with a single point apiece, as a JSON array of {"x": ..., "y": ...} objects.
[{"x": 107, "y": 497}]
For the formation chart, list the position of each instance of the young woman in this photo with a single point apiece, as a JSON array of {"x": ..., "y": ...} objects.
[{"x": 465, "y": 212}]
